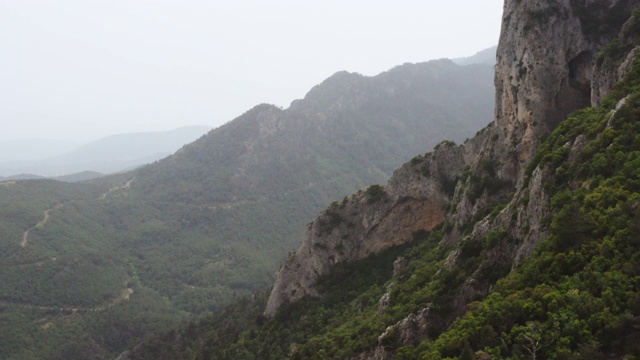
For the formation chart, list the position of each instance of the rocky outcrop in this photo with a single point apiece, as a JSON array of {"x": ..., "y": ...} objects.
[
  {"x": 546, "y": 61},
  {"x": 542, "y": 73},
  {"x": 370, "y": 221},
  {"x": 553, "y": 62},
  {"x": 614, "y": 61}
]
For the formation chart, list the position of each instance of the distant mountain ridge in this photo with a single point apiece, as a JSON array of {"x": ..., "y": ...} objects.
[
  {"x": 486, "y": 56},
  {"x": 187, "y": 234},
  {"x": 106, "y": 155},
  {"x": 521, "y": 243}
]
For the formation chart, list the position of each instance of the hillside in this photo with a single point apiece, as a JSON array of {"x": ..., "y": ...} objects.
[
  {"x": 520, "y": 243},
  {"x": 91, "y": 268}
]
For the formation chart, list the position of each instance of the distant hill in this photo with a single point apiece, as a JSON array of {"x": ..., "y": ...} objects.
[
  {"x": 139, "y": 251},
  {"x": 486, "y": 56},
  {"x": 107, "y": 155}
]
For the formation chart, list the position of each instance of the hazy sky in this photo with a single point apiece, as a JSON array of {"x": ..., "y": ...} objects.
[{"x": 84, "y": 69}]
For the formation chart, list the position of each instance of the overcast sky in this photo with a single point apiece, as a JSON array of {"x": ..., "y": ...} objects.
[{"x": 84, "y": 69}]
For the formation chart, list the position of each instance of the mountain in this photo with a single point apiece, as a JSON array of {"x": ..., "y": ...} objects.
[
  {"x": 93, "y": 267},
  {"x": 486, "y": 56},
  {"x": 107, "y": 155},
  {"x": 520, "y": 243}
]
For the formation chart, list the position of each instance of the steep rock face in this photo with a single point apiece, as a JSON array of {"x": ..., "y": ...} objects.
[
  {"x": 614, "y": 60},
  {"x": 545, "y": 67},
  {"x": 592, "y": 65},
  {"x": 369, "y": 222},
  {"x": 544, "y": 71},
  {"x": 542, "y": 74},
  {"x": 525, "y": 112},
  {"x": 553, "y": 50}
]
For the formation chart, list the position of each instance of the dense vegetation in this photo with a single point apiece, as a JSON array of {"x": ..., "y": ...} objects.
[
  {"x": 577, "y": 297},
  {"x": 139, "y": 252}
]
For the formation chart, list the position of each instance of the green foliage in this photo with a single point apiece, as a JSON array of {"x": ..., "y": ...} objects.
[
  {"x": 211, "y": 223},
  {"x": 540, "y": 16},
  {"x": 615, "y": 49},
  {"x": 448, "y": 184},
  {"x": 486, "y": 181},
  {"x": 417, "y": 160},
  {"x": 345, "y": 320},
  {"x": 445, "y": 143},
  {"x": 598, "y": 18},
  {"x": 577, "y": 296},
  {"x": 375, "y": 193}
]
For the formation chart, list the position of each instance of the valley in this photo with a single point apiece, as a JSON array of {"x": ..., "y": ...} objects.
[
  {"x": 105, "y": 263},
  {"x": 438, "y": 210},
  {"x": 534, "y": 250}
]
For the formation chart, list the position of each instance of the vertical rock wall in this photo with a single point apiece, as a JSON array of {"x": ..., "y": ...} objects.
[{"x": 545, "y": 66}]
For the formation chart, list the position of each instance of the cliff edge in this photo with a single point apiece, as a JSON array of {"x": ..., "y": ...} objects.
[{"x": 547, "y": 66}]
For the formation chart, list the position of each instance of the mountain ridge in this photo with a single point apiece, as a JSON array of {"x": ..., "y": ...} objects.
[
  {"x": 197, "y": 229},
  {"x": 114, "y": 153},
  {"x": 536, "y": 253}
]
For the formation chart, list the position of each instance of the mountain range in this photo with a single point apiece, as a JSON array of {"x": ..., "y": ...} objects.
[
  {"x": 520, "y": 243},
  {"x": 90, "y": 268},
  {"x": 37, "y": 158}
]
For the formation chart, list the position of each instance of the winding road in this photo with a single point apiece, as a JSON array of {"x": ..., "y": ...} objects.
[
  {"x": 125, "y": 186},
  {"x": 124, "y": 295},
  {"x": 25, "y": 236}
]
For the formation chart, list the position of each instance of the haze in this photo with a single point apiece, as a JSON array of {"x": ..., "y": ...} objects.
[{"x": 81, "y": 70}]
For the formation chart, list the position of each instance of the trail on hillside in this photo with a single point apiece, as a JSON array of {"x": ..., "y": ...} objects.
[
  {"x": 124, "y": 295},
  {"x": 116, "y": 188},
  {"x": 25, "y": 235}
]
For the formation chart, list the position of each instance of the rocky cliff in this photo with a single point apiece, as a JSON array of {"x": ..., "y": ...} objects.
[
  {"x": 371, "y": 221},
  {"x": 534, "y": 237},
  {"x": 547, "y": 66}
]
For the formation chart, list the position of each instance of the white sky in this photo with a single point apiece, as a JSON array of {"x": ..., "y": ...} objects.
[{"x": 84, "y": 69}]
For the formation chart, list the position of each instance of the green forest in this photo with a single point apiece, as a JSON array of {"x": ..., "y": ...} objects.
[
  {"x": 576, "y": 297},
  {"x": 89, "y": 269},
  {"x": 175, "y": 259}
]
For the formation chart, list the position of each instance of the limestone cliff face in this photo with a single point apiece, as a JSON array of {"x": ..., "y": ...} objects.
[
  {"x": 546, "y": 68},
  {"x": 542, "y": 74},
  {"x": 369, "y": 222}
]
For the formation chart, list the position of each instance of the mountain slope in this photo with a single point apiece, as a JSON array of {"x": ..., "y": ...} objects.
[
  {"x": 536, "y": 253},
  {"x": 248, "y": 188},
  {"x": 128, "y": 254}
]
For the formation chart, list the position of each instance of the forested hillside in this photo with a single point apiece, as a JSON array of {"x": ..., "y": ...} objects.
[
  {"x": 91, "y": 268},
  {"x": 536, "y": 254},
  {"x": 577, "y": 297}
]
